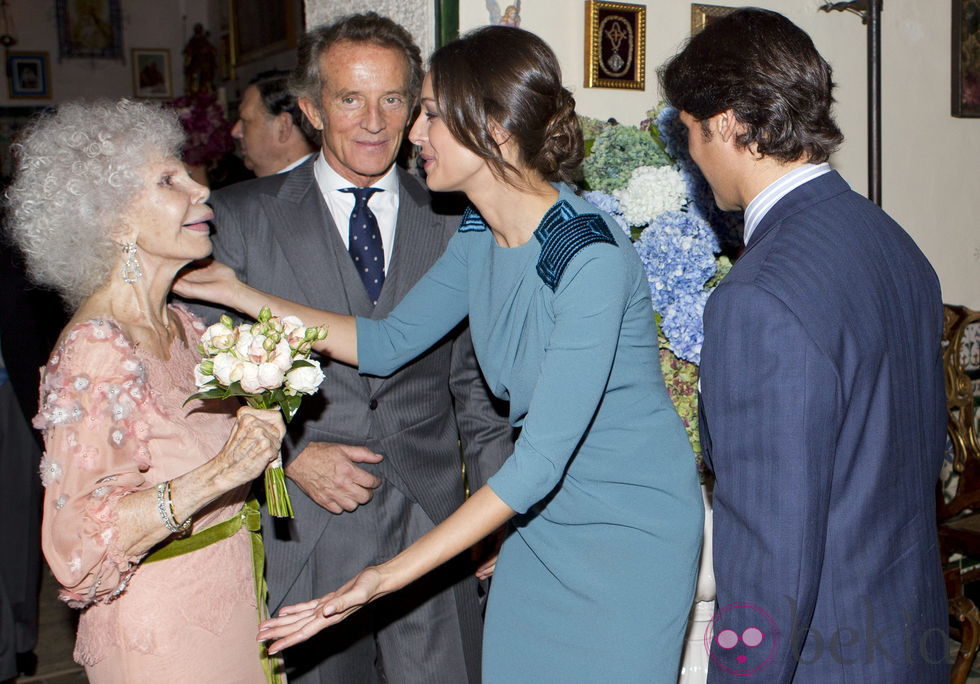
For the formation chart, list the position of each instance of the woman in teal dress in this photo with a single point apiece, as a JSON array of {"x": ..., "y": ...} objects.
[{"x": 596, "y": 580}]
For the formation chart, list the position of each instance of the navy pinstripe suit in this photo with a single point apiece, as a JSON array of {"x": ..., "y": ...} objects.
[{"x": 823, "y": 420}]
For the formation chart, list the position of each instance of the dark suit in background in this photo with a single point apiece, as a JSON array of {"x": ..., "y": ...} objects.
[
  {"x": 30, "y": 321},
  {"x": 823, "y": 421},
  {"x": 278, "y": 235}
]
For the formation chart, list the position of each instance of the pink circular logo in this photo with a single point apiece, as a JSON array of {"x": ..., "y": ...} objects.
[{"x": 741, "y": 639}]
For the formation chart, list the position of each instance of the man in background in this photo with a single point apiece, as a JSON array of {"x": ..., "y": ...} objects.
[
  {"x": 822, "y": 404},
  {"x": 274, "y": 135}
]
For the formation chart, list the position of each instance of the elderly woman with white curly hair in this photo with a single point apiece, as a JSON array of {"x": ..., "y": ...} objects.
[{"x": 145, "y": 523}]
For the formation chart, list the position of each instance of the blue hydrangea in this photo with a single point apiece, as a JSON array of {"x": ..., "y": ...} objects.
[
  {"x": 677, "y": 249},
  {"x": 609, "y": 204}
]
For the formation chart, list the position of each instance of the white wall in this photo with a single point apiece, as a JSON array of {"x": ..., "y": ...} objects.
[
  {"x": 145, "y": 24},
  {"x": 930, "y": 159}
]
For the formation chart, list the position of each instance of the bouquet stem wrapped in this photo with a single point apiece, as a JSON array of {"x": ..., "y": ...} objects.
[{"x": 268, "y": 364}]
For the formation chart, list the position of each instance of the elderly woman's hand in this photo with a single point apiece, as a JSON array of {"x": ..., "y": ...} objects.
[
  {"x": 209, "y": 281},
  {"x": 253, "y": 444}
]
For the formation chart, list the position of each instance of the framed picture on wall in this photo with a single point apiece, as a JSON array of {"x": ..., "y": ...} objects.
[
  {"x": 615, "y": 45},
  {"x": 89, "y": 29},
  {"x": 151, "y": 73},
  {"x": 263, "y": 27},
  {"x": 966, "y": 58},
  {"x": 28, "y": 75},
  {"x": 702, "y": 15}
]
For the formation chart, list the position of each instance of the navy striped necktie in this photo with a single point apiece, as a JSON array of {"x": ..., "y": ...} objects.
[{"x": 364, "y": 242}]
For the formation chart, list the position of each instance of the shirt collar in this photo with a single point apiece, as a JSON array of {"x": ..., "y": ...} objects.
[
  {"x": 296, "y": 163},
  {"x": 331, "y": 181},
  {"x": 775, "y": 191}
]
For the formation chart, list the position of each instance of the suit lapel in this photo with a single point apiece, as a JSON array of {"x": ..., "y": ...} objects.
[
  {"x": 308, "y": 237},
  {"x": 416, "y": 237}
]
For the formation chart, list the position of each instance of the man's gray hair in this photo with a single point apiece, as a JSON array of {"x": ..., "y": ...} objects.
[
  {"x": 78, "y": 172},
  {"x": 370, "y": 27}
]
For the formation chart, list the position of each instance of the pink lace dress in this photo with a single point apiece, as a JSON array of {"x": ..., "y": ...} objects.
[{"x": 113, "y": 424}]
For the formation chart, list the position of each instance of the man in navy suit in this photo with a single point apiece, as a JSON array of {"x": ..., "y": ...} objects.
[{"x": 821, "y": 386}]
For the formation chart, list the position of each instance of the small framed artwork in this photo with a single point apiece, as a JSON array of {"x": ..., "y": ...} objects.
[
  {"x": 702, "y": 15},
  {"x": 966, "y": 58},
  {"x": 28, "y": 76},
  {"x": 151, "y": 73},
  {"x": 615, "y": 45}
]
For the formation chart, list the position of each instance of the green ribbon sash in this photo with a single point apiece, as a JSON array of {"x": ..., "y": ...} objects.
[{"x": 249, "y": 517}]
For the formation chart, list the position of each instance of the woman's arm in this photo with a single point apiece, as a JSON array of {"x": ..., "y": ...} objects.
[
  {"x": 218, "y": 283},
  {"x": 480, "y": 515},
  {"x": 433, "y": 307}
]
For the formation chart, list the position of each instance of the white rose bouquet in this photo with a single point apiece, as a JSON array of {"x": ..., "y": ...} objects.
[{"x": 268, "y": 364}]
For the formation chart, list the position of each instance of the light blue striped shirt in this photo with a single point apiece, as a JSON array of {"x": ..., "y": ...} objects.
[{"x": 775, "y": 191}]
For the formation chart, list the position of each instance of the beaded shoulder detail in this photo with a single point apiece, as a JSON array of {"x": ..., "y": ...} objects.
[
  {"x": 472, "y": 220},
  {"x": 563, "y": 233}
]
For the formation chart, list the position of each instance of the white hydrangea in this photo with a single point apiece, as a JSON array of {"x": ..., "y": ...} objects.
[{"x": 651, "y": 191}]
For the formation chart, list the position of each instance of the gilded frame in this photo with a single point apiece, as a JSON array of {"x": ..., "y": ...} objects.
[
  {"x": 702, "y": 15},
  {"x": 615, "y": 45}
]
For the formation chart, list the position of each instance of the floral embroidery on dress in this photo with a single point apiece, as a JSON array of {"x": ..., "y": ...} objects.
[
  {"x": 110, "y": 403},
  {"x": 50, "y": 471}
]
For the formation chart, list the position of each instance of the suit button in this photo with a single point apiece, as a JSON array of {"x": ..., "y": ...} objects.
[{"x": 373, "y": 404}]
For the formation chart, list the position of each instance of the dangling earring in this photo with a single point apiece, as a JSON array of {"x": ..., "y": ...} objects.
[{"x": 130, "y": 271}]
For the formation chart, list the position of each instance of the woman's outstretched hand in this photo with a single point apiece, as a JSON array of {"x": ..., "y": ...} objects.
[
  {"x": 298, "y": 622},
  {"x": 211, "y": 282}
]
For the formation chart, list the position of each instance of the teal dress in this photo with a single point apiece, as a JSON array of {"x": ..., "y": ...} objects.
[{"x": 596, "y": 582}]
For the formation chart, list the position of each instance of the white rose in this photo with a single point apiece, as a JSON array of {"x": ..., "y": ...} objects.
[
  {"x": 227, "y": 368},
  {"x": 244, "y": 342},
  {"x": 270, "y": 376},
  {"x": 291, "y": 323},
  {"x": 218, "y": 338},
  {"x": 282, "y": 355},
  {"x": 295, "y": 337},
  {"x": 305, "y": 379},
  {"x": 256, "y": 350},
  {"x": 250, "y": 378}
]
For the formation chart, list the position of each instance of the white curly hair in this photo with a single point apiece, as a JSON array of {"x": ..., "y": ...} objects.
[{"x": 78, "y": 172}]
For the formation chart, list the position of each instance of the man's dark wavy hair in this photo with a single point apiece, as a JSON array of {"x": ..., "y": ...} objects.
[{"x": 767, "y": 71}]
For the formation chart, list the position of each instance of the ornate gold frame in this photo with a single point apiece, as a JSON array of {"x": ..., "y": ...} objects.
[
  {"x": 607, "y": 25},
  {"x": 701, "y": 15}
]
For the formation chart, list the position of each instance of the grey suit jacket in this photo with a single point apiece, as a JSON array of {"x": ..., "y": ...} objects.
[{"x": 278, "y": 235}]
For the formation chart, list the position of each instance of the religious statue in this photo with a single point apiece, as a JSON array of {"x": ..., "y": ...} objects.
[
  {"x": 200, "y": 62},
  {"x": 510, "y": 17}
]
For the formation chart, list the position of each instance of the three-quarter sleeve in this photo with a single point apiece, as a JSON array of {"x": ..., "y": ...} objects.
[
  {"x": 434, "y": 306},
  {"x": 93, "y": 398},
  {"x": 589, "y": 305}
]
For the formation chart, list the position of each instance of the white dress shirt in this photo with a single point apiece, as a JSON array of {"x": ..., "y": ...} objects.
[
  {"x": 384, "y": 205},
  {"x": 296, "y": 163},
  {"x": 775, "y": 191}
]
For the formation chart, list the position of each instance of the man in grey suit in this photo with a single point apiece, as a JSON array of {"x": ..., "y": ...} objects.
[{"x": 377, "y": 463}]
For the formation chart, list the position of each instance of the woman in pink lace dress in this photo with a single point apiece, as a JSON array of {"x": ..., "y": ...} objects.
[{"x": 107, "y": 215}]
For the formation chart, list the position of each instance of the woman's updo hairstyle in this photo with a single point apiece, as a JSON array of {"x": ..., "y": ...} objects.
[{"x": 508, "y": 76}]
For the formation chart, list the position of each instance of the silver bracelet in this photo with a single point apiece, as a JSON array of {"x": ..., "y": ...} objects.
[{"x": 164, "y": 503}]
